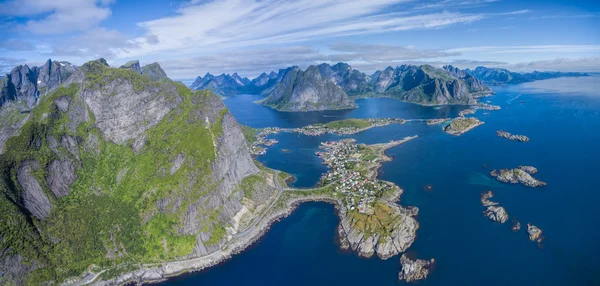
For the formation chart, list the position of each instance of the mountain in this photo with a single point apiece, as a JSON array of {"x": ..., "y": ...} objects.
[
  {"x": 115, "y": 169},
  {"x": 22, "y": 88},
  {"x": 500, "y": 76},
  {"x": 229, "y": 85},
  {"x": 424, "y": 84},
  {"x": 351, "y": 80},
  {"x": 154, "y": 72},
  {"x": 133, "y": 65},
  {"x": 307, "y": 90}
]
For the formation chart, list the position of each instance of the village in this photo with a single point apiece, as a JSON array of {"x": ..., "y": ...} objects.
[{"x": 348, "y": 164}]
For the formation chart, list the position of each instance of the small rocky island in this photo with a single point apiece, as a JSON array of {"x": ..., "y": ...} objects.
[
  {"x": 461, "y": 125},
  {"x": 535, "y": 233},
  {"x": 521, "y": 174},
  {"x": 493, "y": 212},
  {"x": 414, "y": 270},
  {"x": 507, "y": 135}
]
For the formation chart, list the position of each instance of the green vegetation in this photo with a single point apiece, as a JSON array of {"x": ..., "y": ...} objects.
[
  {"x": 97, "y": 75},
  {"x": 353, "y": 122},
  {"x": 461, "y": 125},
  {"x": 383, "y": 220},
  {"x": 250, "y": 184},
  {"x": 111, "y": 217},
  {"x": 249, "y": 133}
]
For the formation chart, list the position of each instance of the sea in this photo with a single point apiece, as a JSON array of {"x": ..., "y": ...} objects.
[{"x": 560, "y": 116}]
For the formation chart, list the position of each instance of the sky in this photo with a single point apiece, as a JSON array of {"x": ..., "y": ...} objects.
[{"x": 191, "y": 38}]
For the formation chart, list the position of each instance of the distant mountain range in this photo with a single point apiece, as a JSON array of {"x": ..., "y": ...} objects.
[
  {"x": 500, "y": 76},
  {"x": 332, "y": 87},
  {"x": 228, "y": 85},
  {"x": 325, "y": 86}
]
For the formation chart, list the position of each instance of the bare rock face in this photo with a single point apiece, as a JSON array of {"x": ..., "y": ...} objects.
[
  {"x": 123, "y": 112},
  {"x": 133, "y": 65},
  {"x": 34, "y": 198},
  {"x": 61, "y": 174},
  {"x": 23, "y": 85},
  {"x": 414, "y": 270},
  {"x": 496, "y": 213},
  {"x": 53, "y": 74}
]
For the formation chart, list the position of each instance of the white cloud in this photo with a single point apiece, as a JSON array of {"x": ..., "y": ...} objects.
[
  {"x": 529, "y": 49},
  {"x": 227, "y": 24},
  {"x": 57, "y": 16},
  {"x": 93, "y": 43},
  {"x": 382, "y": 53},
  {"x": 585, "y": 64}
]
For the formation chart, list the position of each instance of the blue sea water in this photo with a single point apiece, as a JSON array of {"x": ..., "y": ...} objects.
[{"x": 562, "y": 119}]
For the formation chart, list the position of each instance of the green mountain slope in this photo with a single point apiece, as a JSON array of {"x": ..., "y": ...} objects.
[{"x": 114, "y": 169}]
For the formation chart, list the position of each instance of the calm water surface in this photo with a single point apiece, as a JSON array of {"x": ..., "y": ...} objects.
[{"x": 562, "y": 119}]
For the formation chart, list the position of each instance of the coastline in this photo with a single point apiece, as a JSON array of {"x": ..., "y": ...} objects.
[{"x": 291, "y": 199}]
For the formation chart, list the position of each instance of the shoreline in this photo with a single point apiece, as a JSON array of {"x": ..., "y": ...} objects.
[{"x": 153, "y": 273}]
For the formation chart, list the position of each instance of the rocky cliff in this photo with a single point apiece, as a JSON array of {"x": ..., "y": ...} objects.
[
  {"x": 21, "y": 89},
  {"x": 307, "y": 90},
  {"x": 115, "y": 168}
]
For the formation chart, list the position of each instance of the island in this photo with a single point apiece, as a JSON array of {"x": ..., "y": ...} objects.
[
  {"x": 414, "y": 270},
  {"x": 507, "y": 135},
  {"x": 516, "y": 225},
  {"x": 535, "y": 233},
  {"x": 521, "y": 174},
  {"x": 461, "y": 125},
  {"x": 493, "y": 211}
]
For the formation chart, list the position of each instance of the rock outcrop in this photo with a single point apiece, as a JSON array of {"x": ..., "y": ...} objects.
[
  {"x": 493, "y": 211},
  {"x": 535, "y": 233},
  {"x": 521, "y": 175},
  {"x": 307, "y": 91},
  {"x": 496, "y": 213},
  {"x": 33, "y": 198},
  {"x": 133, "y": 65},
  {"x": 414, "y": 270},
  {"x": 507, "y": 135}
]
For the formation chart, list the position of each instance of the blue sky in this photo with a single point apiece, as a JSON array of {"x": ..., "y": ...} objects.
[{"x": 190, "y": 38}]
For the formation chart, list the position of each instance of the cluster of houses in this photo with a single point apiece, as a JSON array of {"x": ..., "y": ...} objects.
[{"x": 343, "y": 157}]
